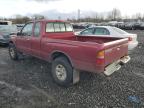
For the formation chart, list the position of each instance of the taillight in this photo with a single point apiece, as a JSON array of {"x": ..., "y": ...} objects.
[
  {"x": 100, "y": 54},
  {"x": 100, "y": 61},
  {"x": 130, "y": 38},
  {"x": 100, "y": 58}
]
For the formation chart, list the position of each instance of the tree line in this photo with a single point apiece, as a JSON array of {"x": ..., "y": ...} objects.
[{"x": 114, "y": 15}]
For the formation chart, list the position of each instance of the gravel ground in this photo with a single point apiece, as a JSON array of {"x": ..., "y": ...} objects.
[{"x": 27, "y": 83}]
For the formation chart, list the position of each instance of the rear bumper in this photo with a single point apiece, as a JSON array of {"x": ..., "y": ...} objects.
[{"x": 110, "y": 69}]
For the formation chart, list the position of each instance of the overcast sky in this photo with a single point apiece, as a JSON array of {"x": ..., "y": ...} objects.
[{"x": 24, "y": 7}]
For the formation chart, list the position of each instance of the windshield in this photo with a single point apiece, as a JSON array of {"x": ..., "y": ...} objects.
[
  {"x": 8, "y": 29},
  {"x": 119, "y": 30}
]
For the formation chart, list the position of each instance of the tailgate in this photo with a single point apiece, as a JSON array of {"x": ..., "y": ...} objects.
[{"x": 115, "y": 50}]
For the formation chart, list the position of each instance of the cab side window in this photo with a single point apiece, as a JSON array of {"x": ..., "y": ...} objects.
[
  {"x": 27, "y": 30},
  {"x": 37, "y": 29}
]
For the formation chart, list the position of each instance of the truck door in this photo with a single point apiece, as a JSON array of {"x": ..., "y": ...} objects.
[
  {"x": 36, "y": 40},
  {"x": 20, "y": 42},
  {"x": 24, "y": 40}
]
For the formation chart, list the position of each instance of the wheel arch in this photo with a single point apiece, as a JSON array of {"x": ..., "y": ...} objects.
[
  {"x": 11, "y": 42},
  {"x": 56, "y": 54}
]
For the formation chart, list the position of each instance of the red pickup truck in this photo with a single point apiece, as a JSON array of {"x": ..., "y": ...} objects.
[{"x": 54, "y": 41}]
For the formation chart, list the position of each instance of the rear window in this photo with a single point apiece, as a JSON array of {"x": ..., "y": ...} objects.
[
  {"x": 49, "y": 27},
  {"x": 58, "y": 27},
  {"x": 62, "y": 27},
  {"x": 119, "y": 30},
  {"x": 68, "y": 27}
]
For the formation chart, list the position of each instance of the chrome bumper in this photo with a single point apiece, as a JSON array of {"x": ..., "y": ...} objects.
[{"x": 110, "y": 69}]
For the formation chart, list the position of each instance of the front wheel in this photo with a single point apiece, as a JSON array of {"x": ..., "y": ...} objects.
[{"x": 13, "y": 52}]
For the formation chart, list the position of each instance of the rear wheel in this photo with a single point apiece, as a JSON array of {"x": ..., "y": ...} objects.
[
  {"x": 13, "y": 53},
  {"x": 62, "y": 71}
]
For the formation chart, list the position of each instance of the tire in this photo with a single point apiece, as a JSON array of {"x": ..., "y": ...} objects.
[
  {"x": 62, "y": 71},
  {"x": 13, "y": 53}
]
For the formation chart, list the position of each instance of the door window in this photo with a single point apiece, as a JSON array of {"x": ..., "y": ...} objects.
[{"x": 27, "y": 30}]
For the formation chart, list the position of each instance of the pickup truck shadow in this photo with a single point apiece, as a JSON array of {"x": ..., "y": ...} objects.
[{"x": 43, "y": 69}]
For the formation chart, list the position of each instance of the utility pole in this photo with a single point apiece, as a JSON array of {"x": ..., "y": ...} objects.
[{"x": 79, "y": 15}]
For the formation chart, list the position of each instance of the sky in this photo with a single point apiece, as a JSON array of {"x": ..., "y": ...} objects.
[{"x": 9, "y": 8}]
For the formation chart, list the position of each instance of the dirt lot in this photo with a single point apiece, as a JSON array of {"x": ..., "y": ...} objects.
[{"x": 27, "y": 83}]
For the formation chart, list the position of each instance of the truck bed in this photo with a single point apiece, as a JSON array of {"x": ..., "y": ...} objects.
[
  {"x": 99, "y": 40},
  {"x": 87, "y": 47}
]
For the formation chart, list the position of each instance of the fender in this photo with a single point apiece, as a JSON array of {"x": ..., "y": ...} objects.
[{"x": 59, "y": 54}]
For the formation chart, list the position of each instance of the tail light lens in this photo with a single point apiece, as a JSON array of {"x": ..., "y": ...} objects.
[
  {"x": 100, "y": 58},
  {"x": 100, "y": 54},
  {"x": 130, "y": 38}
]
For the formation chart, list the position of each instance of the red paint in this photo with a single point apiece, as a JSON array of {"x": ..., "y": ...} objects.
[{"x": 82, "y": 51}]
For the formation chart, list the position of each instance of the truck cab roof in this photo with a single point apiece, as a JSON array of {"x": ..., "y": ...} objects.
[{"x": 46, "y": 20}]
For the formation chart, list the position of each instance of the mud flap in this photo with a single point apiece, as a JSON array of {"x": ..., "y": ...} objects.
[{"x": 76, "y": 76}]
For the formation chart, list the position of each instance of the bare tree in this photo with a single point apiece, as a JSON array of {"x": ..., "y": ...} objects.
[
  {"x": 20, "y": 20},
  {"x": 109, "y": 16},
  {"x": 115, "y": 14},
  {"x": 96, "y": 17},
  {"x": 138, "y": 16}
]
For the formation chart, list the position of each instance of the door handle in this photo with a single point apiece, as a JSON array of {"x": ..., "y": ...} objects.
[{"x": 27, "y": 39}]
